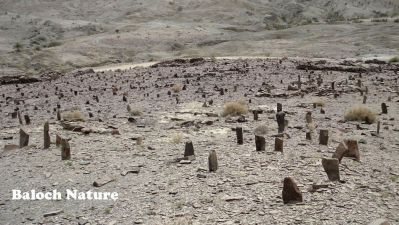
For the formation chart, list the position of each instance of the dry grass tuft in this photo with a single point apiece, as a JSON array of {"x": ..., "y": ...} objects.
[
  {"x": 235, "y": 108},
  {"x": 176, "y": 88},
  {"x": 176, "y": 138},
  {"x": 360, "y": 113},
  {"x": 74, "y": 115},
  {"x": 319, "y": 103},
  {"x": 261, "y": 130},
  {"x": 134, "y": 112}
]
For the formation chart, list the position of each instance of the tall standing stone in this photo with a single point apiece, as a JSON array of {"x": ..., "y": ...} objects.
[
  {"x": 240, "y": 139},
  {"x": 58, "y": 140},
  {"x": 364, "y": 99},
  {"x": 280, "y": 121},
  {"x": 291, "y": 192},
  {"x": 256, "y": 116},
  {"x": 27, "y": 119},
  {"x": 58, "y": 115},
  {"x": 384, "y": 108},
  {"x": 23, "y": 138},
  {"x": 46, "y": 137},
  {"x": 278, "y": 144},
  {"x": 279, "y": 107},
  {"x": 331, "y": 167},
  {"x": 212, "y": 161},
  {"x": 378, "y": 127},
  {"x": 308, "y": 117},
  {"x": 189, "y": 149},
  {"x": 65, "y": 149},
  {"x": 19, "y": 117},
  {"x": 260, "y": 143},
  {"x": 323, "y": 137},
  {"x": 308, "y": 135}
]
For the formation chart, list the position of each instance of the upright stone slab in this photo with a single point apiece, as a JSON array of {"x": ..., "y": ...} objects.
[
  {"x": 27, "y": 119},
  {"x": 189, "y": 149},
  {"x": 260, "y": 143},
  {"x": 323, "y": 137},
  {"x": 353, "y": 149},
  {"x": 331, "y": 167},
  {"x": 364, "y": 99},
  {"x": 278, "y": 144},
  {"x": 19, "y": 117},
  {"x": 58, "y": 140},
  {"x": 65, "y": 149},
  {"x": 308, "y": 135},
  {"x": 58, "y": 115},
  {"x": 384, "y": 108},
  {"x": 291, "y": 192},
  {"x": 280, "y": 121},
  {"x": 308, "y": 117},
  {"x": 256, "y": 116},
  {"x": 240, "y": 138},
  {"x": 279, "y": 107},
  {"x": 212, "y": 161},
  {"x": 46, "y": 136},
  {"x": 378, "y": 127},
  {"x": 23, "y": 138}
]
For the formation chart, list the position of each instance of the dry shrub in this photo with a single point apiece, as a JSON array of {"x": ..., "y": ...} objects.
[
  {"x": 319, "y": 102},
  {"x": 261, "y": 130},
  {"x": 134, "y": 112},
  {"x": 360, "y": 113},
  {"x": 235, "y": 108},
  {"x": 176, "y": 88},
  {"x": 74, "y": 115},
  {"x": 176, "y": 138}
]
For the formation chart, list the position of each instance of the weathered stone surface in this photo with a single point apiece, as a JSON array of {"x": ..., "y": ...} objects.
[
  {"x": 278, "y": 144},
  {"x": 323, "y": 137},
  {"x": 331, "y": 167},
  {"x": 380, "y": 222},
  {"x": 291, "y": 192}
]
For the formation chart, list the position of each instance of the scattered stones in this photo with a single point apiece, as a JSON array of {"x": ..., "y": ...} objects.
[
  {"x": 331, "y": 167},
  {"x": 291, "y": 192},
  {"x": 53, "y": 213},
  {"x": 103, "y": 181},
  {"x": 380, "y": 222}
]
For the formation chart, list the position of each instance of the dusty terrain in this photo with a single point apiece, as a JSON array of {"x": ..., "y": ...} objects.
[
  {"x": 40, "y": 36},
  {"x": 246, "y": 189}
]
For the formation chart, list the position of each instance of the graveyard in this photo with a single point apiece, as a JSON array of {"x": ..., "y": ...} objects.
[{"x": 205, "y": 141}]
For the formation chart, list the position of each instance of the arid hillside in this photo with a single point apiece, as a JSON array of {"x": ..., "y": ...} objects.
[{"x": 38, "y": 36}]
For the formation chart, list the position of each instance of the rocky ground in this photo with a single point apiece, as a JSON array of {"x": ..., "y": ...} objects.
[{"x": 246, "y": 188}]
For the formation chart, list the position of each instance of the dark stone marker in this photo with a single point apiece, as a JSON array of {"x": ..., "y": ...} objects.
[
  {"x": 353, "y": 149},
  {"x": 308, "y": 135},
  {"x": 364, "y": 99},
  {"x": 212, "y": 161},
  {"x": 333, "y": 85},
  {"x": 240, "y": 139},
  {"x": 378, "y": 127},
  {"x": 46, "y": 137},
  {"x": 280, "y": 121},
  {"x": 189, "y": 149},
  {"x": 58, "y": 115},
  {"x": 14, "y": 115},
  {"x": 65, "y": 149},
  {"x": 278, "y": 144},
  {"x": 341, "y": 150},
  {"x": 260, "y": 143},
  {"x": 27, "y": 119},
  {"x": 19, "y": 117},
  {"x": 384, "y": 108},
  {"x": 279, "y": 107},
  {"x": 23, "y": 138},
  {"x": 57, "y": 140},
  {"x": 291, "y": 192},
  {"x": 124, "y": 99},
  {"x": 323, "y": 138},
  {"x": 322, "y": 111},
  {"x": 331, "y": 167},
  {"x": 256, "y": 113}
]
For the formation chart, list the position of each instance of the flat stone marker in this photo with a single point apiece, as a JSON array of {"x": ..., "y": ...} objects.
[
  {"x": 331, "y": 167},
  {"x": 46, "y": 136},
  {"x": 291, "y": 192},
  {"x": 240, "y": 139},
  {"x": 189, "y": 149},
  {"x": 23, "y": 138},
  {"x": 65, "y": 149},
  {"x": 212, "y": 161},
  {"x": 260, "y": 143},
  {"x": 323, "y": 137},
  {"x": 278, "y": 144}
]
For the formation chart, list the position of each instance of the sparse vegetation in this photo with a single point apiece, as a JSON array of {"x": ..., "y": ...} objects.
[
  {"x": 360, "y": 113},
  {"x": 176, "y": 138},
  {"x": 261, "y": 130},
  {"x": 54, "y": 44},
  {"x": 319, "y": 103},
  {"x": 134, "y": 112},
  {"x": 394, "y": 59},
  {"x": 74, "y": 115},
  {"x": 18, "y": 47},
  {"x": 235, "y": 108},
  {"x": 176, "y": 88}
]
